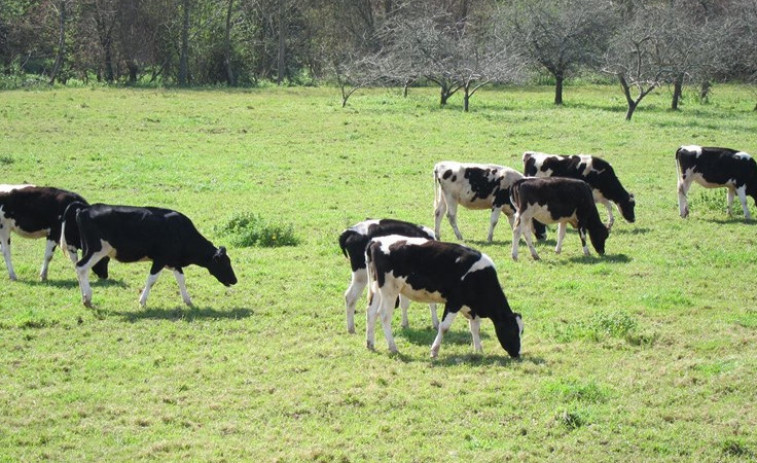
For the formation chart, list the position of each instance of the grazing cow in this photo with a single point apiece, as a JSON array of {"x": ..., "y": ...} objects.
[
  {"x": 462, "y": 278},
  {"x": 35, "y": 212},
  {"x": 131, "y": 234},
  {"x": 595, "y": 171},
  {"x": 353, "y": 242},
  {"x": 474, "y": 186},
  {"x": 557, "y": 200},
  {"x": 713, "y": 168}
]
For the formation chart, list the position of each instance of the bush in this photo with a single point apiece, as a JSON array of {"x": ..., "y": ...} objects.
[{"x": 249, "y": 229}]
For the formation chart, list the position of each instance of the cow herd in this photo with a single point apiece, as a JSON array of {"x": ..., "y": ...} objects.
[
  {"x": 127, "y": 234},
  {"x": 398, "y": 261}
]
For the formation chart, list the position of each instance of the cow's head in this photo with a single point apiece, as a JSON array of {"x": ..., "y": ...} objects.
[
  {"x": 508, "y": 332},
  {"x": 598, "y": 235},
  {"x": 627, "y": 207},
  {"x": 220, "y": 267}
]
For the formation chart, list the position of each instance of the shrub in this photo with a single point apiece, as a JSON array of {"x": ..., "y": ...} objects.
[{"x": 249, "y": 229}]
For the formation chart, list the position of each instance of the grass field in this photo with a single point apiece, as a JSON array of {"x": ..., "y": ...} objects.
[{"x": 646, "y": 354}]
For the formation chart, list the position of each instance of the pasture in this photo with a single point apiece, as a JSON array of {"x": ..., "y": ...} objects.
[{"x": 646, "y": 354}]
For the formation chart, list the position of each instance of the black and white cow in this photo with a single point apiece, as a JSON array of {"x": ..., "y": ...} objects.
[
  {"x": 473, "y": 186},
  {"x": 556, "y": 200},
  {"x": 353, "y": 242},
  {"x": 595, "y": 171},
  {"x": 461, "y": 278},
  {"x": 713, "y": 168},
  {"x": 131, "y": 234},
  {"x": 35, "y": 212}
]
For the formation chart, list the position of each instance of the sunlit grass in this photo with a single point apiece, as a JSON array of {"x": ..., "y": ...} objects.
[{"x": 645, "y": 354}]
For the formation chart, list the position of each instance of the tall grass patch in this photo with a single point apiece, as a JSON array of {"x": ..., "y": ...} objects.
[{"x": 249, "y": 229}]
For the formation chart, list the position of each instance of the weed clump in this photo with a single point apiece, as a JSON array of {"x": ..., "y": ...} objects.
[{"x": 248, "y": 229}]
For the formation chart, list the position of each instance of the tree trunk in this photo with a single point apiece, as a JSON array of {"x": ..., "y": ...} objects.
[
  {"x": 61, "y": 42},
  {"x": 631, "y": 109},
  {"x": 558, "y": 87},
  {"x": 133, "y": 71},
  {"x": 183, "y": 76},
  {"x": 109, "y": 75},
  {"x": 227, "y": 47},
  {"x": 282, "y": 42},
  {"x": 677, "y": 92}
]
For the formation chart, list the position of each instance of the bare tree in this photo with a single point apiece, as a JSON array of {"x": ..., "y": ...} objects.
[
  {"x": 686, "y": 45},
  {"x": 561, "y": 36},
  {"x": 739, "y": 47},
  {"x": 632, "y": 58}
]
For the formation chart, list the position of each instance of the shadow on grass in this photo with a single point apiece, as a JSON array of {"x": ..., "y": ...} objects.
[
  {"x": 187, "y": 314},
  {"x": 421, "y": 337},
  {"x": 630, "y": 231},
  {"x": 735, "y": 221},
  {"x": 484, "y": 360},
  {"x": 68, "y": 283},
  {"x": 591, "y": 260}
]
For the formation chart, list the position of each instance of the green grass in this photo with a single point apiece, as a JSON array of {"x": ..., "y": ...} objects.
[{"x": 646, "y": 354}]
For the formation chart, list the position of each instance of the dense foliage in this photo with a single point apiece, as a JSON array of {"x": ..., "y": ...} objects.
[{"x": 457, "y": 44}]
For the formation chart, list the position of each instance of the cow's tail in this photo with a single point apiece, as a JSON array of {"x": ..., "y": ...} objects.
[
  {"x": 678, "y": 162},
  {"x": 370, "y": 269},
  {"x": 437, "y": 190},
  {"x": 346, "y": 235},
  {"x": 69, "y": 217}
]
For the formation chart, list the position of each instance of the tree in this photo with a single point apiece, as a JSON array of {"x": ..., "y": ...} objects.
[
  {"x": 631, "y": 57},
  {"x": 687, "y": 38},
  {"x": 561, "y": 36}
]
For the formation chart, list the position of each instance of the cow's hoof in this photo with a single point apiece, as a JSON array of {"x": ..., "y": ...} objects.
[{"x": 87, "y": 304}]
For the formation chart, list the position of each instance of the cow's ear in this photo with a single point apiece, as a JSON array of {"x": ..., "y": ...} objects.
[{"x": 222, "y": 250}]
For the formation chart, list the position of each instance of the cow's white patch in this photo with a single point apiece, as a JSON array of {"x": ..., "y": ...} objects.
[
  {"x": 388, "y": 241},
  {"x": 696, "y": 149},
  {"x": 483, "y": 263},
  {"x": 742, "y": 155},
  {"x": 362, "y": 227}
]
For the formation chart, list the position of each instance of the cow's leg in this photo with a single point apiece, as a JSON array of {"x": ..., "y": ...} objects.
[
  {"x": 88, "y": 260},
  {"x": 493, "y": 222},
  {"x": 516, "y": 236},
  {"x": 562, "y": 227},
  {"x": 731, "y": 192},
  {"x": 179, "y": 274},
  {"x": 434, "y": 318},
  {"x": 529, "y": 241},
  {"x": 475, "y": 330},
  {"x": 49, "y": 249},
  {"x": 155, "y": 270},
  {"x": 359, "y": 280},
  {"x": 5, "y": 242},
  {"x": 441, "y": 208},
  {"x": 683, "y": 188},
  {"x": 374, "y": 300},
  {"x": 447, "y": 319},
  {"x": 741, "y": 191},
  {"x": 386, "y": 310},
  {"x": 404, "y": 304},
  {"x": 452, "y": 215},
  {"x": 582, "y": 234},
  {"x": 610, "y": 215}
]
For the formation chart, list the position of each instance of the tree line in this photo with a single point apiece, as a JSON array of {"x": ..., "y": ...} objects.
[{"x": 457, "y": 45}]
